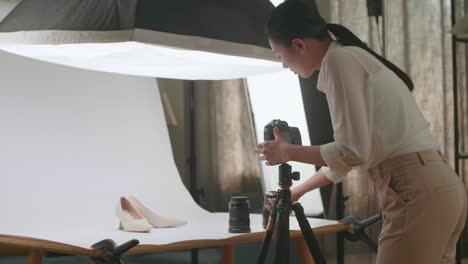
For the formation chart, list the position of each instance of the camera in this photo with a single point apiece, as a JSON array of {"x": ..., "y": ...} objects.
[{"x": 291, "y": 134}]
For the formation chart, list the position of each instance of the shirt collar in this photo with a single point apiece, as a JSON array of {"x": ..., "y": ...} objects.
[{"x": 333, "y": 45}]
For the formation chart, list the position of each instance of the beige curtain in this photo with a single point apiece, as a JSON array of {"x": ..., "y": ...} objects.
[
  {"x": 416, "y": 38},
  {"x": 227, "y": 164},
  {"x": 461, "y": 8},
  {"x": 462, "y": 82}
]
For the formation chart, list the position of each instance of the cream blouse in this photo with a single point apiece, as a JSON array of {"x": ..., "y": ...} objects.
[{"x": 374, "y": 115}]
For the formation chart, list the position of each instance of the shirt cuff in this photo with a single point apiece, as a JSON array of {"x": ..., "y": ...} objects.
[
  {"x": 334, "y": 176},
  {"x": 337, "y": 168}
]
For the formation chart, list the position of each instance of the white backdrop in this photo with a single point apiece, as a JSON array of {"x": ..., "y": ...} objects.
[{"x": 73, "y": 141}]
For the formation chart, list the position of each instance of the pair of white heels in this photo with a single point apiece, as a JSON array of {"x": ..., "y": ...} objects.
[{"x": 135, "y": 217}]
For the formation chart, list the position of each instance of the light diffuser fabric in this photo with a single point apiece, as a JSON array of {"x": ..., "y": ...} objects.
[{"x": 55, "y": 31}]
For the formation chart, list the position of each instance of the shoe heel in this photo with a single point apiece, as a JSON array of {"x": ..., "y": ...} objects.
[{"x": 129, "y": 219}]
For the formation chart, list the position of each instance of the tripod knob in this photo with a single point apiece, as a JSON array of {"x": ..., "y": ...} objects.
[{"x": 296, "y": 176}]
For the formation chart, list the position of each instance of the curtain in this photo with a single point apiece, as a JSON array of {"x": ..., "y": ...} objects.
[
  {"x": 227, "y": 164},
  {"x": 461, "y": 8},
  {"x": 223, "y": 140}
]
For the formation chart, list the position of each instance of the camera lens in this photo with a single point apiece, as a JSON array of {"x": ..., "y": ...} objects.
[
  {"x": 239, "y": 221},
  {"x": 266, "y": 212}
]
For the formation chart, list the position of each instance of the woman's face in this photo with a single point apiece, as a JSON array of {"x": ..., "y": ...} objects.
[{"x": 299, "y": 57}]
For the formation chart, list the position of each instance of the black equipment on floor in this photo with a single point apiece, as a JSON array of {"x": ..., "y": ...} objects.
[
  {"x": 358, "y": 230},
  {"x": 113, "y": 253}
]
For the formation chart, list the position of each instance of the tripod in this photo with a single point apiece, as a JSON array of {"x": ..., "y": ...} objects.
[{"x": 278, "y": 223}]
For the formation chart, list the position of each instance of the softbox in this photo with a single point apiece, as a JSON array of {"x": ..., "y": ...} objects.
[{"x": 184, "y": 39}]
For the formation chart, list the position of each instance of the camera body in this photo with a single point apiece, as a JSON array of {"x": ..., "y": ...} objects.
[{"x": 291, "y": 134}]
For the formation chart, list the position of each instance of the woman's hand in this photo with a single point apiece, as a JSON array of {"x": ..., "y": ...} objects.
[
  {"x": 296, "y": 194},
  {"x": 274, "y": 152}
]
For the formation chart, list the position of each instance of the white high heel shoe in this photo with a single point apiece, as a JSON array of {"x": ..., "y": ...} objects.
[
  {"x": 154, "y": 219},
  {"x": 130, "y": 219}
]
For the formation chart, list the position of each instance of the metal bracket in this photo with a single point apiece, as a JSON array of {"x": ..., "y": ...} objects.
[{"x": 358, "y": 229}]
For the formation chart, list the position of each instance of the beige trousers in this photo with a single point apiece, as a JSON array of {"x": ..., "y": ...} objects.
[{"x": 424, "y": 209}]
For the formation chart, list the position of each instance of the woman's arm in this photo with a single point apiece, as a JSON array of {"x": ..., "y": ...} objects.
[
  {"x": 316, "y": 181},
  {"x": 306, "y": 154}
]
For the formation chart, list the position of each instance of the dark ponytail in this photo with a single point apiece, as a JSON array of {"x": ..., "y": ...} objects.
[
  {"x": 347, "y": 38},
  {"x": 297, "y": 19}
]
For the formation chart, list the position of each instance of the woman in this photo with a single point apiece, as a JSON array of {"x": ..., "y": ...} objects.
[{"x": 378, "y": 129}]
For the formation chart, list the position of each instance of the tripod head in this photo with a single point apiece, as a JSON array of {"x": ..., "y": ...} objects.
[{"x": 286, "y": 176}]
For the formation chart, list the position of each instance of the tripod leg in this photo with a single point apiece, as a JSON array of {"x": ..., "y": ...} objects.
[
  {"x": 268, "y": 234},
  {"x": 282, "y": 234},
  {"x": 308, "y": 234}
]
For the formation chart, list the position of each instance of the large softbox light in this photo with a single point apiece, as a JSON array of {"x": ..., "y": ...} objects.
[{"x": 184, "y": 39}]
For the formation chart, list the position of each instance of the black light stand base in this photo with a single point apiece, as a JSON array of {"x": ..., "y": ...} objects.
[
  {"x": 113, "y": 252},
  {"x": 358, "y": 230}
]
